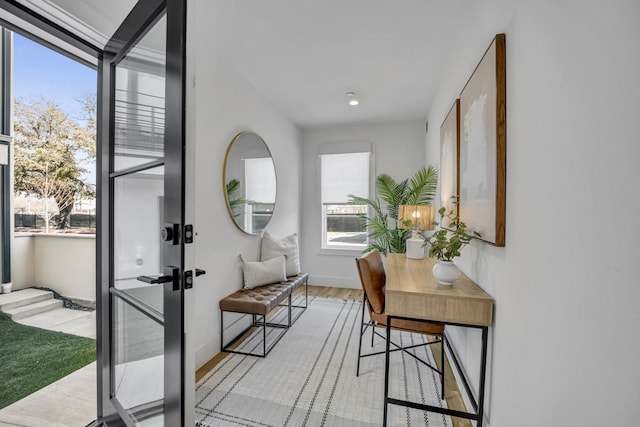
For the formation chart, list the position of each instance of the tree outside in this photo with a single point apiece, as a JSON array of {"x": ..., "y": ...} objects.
[{"x": 51, "y": 155}]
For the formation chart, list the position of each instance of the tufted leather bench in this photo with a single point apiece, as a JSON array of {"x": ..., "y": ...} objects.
[{"x": 259, "y": 302}]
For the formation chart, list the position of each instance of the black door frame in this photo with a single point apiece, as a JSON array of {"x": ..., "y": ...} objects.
[
  {"x": 143, "y": 16},
  {"x": 174, "y": 173}
]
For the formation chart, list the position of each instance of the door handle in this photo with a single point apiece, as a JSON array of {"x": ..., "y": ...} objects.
[
  {"x": 155, "y": 279},
  {"x": 171, "y": 274},
  {"x": 200, "y": 272}
]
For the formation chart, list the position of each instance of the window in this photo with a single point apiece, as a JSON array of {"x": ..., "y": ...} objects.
[
  {"x": 260, "y": 181},
  {"x": 342, "y": 175}
]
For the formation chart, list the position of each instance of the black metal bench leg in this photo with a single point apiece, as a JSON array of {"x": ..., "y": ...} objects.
[
  {"x": 264, "y": 335},
  {"x": 221, "y": 330}
]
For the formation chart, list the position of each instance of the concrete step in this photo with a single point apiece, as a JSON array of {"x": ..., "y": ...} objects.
[
  {"x": 32, "y": 309},
  {"x": 23, "y": 297}
]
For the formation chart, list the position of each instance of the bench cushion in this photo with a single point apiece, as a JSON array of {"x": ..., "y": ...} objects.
[
  {"x": 287, "y": 246},
  {"x": 259, "y": 300},
  {"x": 295, "y": 282}
]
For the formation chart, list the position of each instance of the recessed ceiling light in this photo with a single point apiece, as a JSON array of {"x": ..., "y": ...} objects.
[{"x": 351, "y": 99}]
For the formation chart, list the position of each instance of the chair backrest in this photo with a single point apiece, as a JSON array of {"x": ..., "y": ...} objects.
[{"x": 373, "y": 279}]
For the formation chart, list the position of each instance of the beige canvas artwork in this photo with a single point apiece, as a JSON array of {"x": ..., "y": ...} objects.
[{"x": 482, "y": 143}]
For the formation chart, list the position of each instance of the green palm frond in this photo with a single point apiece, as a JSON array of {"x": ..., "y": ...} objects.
[
  {"x": 378, "y": 227},
  {"x": 391, "y": 192},
  {"x": 398, "y": 244},
  {"x": 373, "y": 203},
  {"x": 235, "y": 203},
  {"x": 388, "y": 189},
  {"x": 422, "y": 188},
  {"x": 232, "y": 186}
]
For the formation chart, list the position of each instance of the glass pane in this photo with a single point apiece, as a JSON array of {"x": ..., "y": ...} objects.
[
  {"x": 345, "y": 229},
  {"x": 139, "y": 101},
  {"x": 137, "y": 246},
  {"x": 138, "y": 352}
]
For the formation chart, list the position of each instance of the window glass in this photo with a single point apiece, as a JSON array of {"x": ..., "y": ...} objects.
[
  {"x": 343, "y": 175},
  {"x": 260, "y": 181}
]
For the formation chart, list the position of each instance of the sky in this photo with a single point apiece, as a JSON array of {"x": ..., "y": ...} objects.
[{"x": 40, "y": 71}]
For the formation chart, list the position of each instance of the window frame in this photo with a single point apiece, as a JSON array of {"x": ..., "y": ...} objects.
[{"x": 349, "y": 147}]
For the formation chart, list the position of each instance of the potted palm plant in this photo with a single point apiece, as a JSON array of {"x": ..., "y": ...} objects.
[
  {"x": 383, "y": 231},
  {"x": 445, "y": 244}
]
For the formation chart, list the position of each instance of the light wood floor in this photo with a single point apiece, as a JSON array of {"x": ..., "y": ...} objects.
[{"x": 451, "y": 390}]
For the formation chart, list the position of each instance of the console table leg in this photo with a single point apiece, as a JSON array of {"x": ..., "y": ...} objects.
[
  {"x": 386, "y": 372},
  {"x": 483, "y": 374}
]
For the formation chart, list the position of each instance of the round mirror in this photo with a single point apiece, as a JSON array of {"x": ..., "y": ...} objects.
[{"x": 249, "y": 182}]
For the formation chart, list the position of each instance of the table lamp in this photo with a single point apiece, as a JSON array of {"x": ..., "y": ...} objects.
[{"x": 421, "y": 217}]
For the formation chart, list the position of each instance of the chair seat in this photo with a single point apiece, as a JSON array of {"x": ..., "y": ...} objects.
[{"x": 408, "y": 325}]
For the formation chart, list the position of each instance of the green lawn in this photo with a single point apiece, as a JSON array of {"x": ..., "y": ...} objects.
[{"x": 31, "y": 358}]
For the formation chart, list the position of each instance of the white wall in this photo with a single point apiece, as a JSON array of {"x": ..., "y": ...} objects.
[
  {"x": 398, "y": 151},
  {"x": 137, "y": 245},
  {"x": 221, "y": 105},
  {"x": 65, "y": 263},
  {"x": 563, "y": 349},
  {"x": 22, "y": 256}
]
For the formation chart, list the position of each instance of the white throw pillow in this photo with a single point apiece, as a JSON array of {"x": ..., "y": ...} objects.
[
  {"x": 288, "y": 247},
  {"x": 257, "y": 273}
]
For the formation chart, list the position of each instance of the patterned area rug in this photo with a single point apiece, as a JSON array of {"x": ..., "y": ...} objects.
[{"x": 309, "y": 378}]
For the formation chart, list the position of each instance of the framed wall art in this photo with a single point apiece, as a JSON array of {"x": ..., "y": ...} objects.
[
  {"x": 449, "y": 159},
  {"x": 483, "y": 134}
]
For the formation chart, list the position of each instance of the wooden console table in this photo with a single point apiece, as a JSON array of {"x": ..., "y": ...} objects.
[{"x": 413, "y": 293}]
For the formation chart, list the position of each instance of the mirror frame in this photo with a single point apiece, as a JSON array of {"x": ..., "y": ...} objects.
[{"x": 224, "y": 181}]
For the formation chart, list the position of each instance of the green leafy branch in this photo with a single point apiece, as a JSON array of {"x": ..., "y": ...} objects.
[{"x": 446, "y": 243}]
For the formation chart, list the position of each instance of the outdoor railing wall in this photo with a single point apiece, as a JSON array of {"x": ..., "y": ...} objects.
[
  {"x": 65, "y": 263},
  {"x": 25, "y": 222}
]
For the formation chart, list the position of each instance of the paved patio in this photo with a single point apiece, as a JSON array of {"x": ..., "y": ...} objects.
[{"x": 69, "y": 402}]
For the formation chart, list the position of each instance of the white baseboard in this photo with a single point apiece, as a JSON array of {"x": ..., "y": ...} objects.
[
  {"x": 205, "y": 352},
  {"x": 337, "y": 282}
]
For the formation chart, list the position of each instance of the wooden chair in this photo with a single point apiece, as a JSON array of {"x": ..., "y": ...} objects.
[{"x": 373, "y": 280}]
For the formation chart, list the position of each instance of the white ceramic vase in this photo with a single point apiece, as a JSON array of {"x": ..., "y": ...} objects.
[
  {"x": 446, "y": 272},
  {"x": 6, "y": 288}
]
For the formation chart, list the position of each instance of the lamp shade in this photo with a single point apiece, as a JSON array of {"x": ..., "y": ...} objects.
[{"x": 421, "y": 217}]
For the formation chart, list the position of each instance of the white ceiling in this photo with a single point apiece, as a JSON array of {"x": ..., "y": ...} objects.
[
  {"x": 304, "y": 55},
  {"x": 94, "y": 20}
]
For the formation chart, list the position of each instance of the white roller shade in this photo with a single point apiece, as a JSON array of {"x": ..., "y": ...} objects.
[
  {"x": 260, "y": 180},
  {"x": 344, "y": 174}
]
